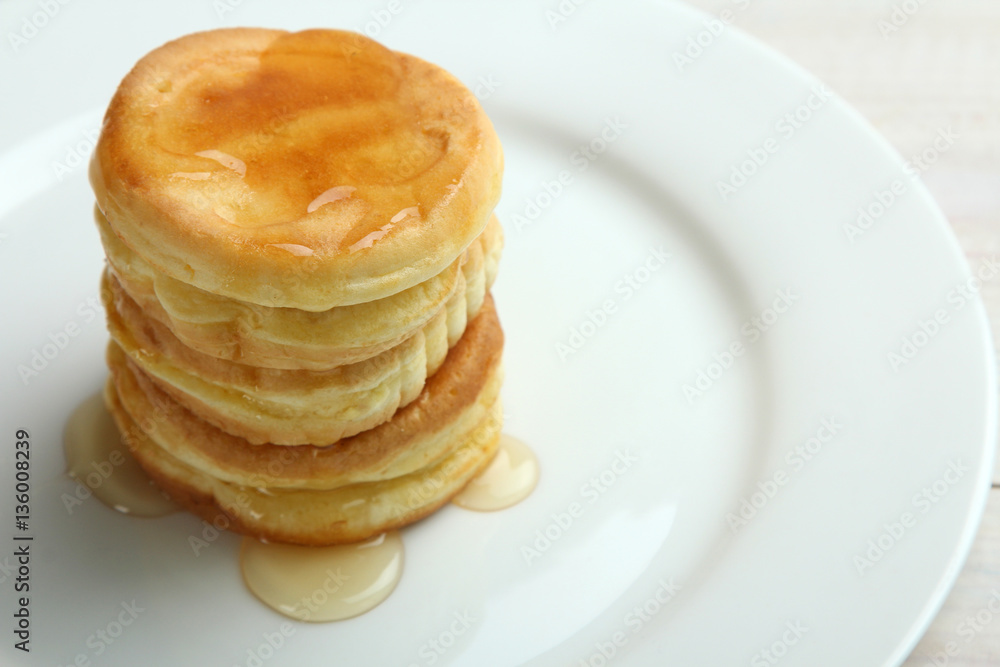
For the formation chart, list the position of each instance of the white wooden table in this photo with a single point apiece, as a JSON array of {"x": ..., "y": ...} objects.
[{"x": 935, "y": 64}]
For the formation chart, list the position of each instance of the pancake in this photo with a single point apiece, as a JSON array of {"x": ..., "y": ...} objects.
[
  {"x": 301, "y": 242},
  {"x": 287, "y": 407},
  {"x": 379, "y": 479},
  {"x": 306, "y": 170},
  {"x": 451, "y": 402},
  {"x": 313, "y": 518},
  {"x": 289, "y": 338}
]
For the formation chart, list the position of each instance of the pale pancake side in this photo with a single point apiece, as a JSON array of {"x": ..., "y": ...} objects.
[
  {"x": 287, "y": 338},
  {"x": 456, "y": 398},
  {"x": 309, "y": 517}
]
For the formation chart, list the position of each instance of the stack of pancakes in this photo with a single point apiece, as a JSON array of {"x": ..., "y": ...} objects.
[{"x": 300, "y": 244}]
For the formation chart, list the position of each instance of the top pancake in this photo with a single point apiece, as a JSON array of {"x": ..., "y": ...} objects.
[{"x": 306, "y": 170}]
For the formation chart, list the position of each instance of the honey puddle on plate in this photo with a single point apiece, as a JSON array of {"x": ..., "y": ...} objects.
[
  {"x": 97, "y": 458},
  {"x": 323, "y": 583},
  {"x": 316, "y": 584},
  {"x": 508, "y": 480}
]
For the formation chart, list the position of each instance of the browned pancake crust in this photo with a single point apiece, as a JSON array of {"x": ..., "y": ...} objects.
[
  {"x": 305, "y": 170},
  {"x": 452, "y": 401},
  {"x": 314, "y": 518}
]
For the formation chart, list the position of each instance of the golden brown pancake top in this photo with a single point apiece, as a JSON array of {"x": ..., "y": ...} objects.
[{"x": 306, "y": 170}]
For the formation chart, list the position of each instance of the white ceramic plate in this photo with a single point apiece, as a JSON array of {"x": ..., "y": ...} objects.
[{"x": 843, "y": 561}]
